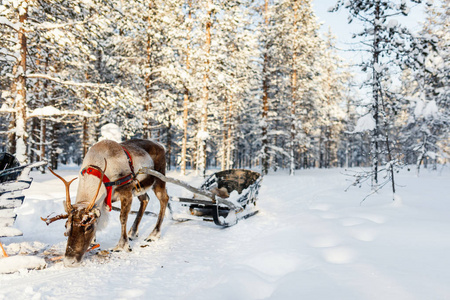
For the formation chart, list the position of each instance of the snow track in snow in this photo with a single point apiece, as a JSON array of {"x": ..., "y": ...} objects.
[{"x": 311, "y": 240}]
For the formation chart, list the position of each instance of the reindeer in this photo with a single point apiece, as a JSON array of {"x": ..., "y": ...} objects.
[{"x": 108, "y": 175}]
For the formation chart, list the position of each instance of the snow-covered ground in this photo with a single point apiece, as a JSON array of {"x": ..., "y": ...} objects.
[{"x": 311, "y": 240}]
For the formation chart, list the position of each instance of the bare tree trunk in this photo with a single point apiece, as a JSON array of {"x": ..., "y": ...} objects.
[
  {"x": 293, "y": 95},
  {"x": 186, "y": 101},
  {"x": 169, "y": 145},
  {"x": 227, "y": 135},
  {"x": 419, "y": 162},
  {"x": 223, "y": 159},
  {"x": 348, "y": 140},
  {"x": 230, "y": 137},
  {"x": 204, "y": 102},
  {"x": 321, "y": 147},
  {"x": 388, "y": 148},
  {"x": 54, "y": 146},
  {"x": 265, "y": 108},
  {"x": 376, "y": 89},
  {"x": 147, "y": 133},
  {"x": 328, "y": 159},
  {"x": 21, "y": 91},
  {"x": 35, "y": 134},
  {"x": 185, "y": 131},
  {"x": 43, "y": 138},
  {"x": 86, "y": 130},
  {"x": 42, "y": 142}
]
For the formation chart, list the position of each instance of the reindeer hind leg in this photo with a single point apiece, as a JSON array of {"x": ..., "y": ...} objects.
[
  {"x": 125, "y": 207},
  {"x": 160, "y": 191},
  {"x": 134, "y": 230}
]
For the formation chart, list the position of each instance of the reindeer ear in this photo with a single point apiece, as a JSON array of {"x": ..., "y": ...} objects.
[{"x": 68, "y": 228}]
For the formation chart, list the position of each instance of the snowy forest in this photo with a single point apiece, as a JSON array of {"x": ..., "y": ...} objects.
[{"x": 225, "y": 84}]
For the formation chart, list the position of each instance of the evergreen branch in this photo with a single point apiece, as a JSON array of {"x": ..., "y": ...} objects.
[
  {"x": 6, "y": 22},
  {"x": 50, "y": 26},
  {"x": 68, "y": 82}
]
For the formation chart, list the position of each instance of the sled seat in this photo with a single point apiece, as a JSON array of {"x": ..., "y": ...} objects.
[
  {"x": 9, "y": 170},
  {"x": 233, "y": 180},
  {"x": 14, "y": 178}
]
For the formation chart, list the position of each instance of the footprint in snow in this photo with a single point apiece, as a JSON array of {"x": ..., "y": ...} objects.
[
  {"x": 274, "y": 263},
  {"x": 348, "y": 222},
  {"x": 320, "y": 206},
  {"x": 363, "y": 234},
  {"x": 339, "y": 255},
  {"x": 325, "y": 241},
  {"x": 374, "y": 218}
]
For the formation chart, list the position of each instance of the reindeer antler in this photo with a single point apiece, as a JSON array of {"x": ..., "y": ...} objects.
[
  {"x": 92, "y": 203},
  {"x": 67, "y": 184},
  {"x": 55, "y": 218}
]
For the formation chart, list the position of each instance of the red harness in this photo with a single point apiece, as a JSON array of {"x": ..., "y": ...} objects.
[{"x": 96, "y": 171}]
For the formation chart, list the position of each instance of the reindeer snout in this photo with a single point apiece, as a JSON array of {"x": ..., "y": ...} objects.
[{"x": 71, "y": 262}]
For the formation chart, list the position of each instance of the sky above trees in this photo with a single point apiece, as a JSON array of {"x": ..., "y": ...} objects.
[{"x": 337, "y": 22}]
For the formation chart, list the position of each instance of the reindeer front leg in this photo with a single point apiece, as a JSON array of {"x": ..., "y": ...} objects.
[
  {"x": 125, "y": 207},
  {"x": 133, "y": 233},
  {"x": 161, "y": 193}
]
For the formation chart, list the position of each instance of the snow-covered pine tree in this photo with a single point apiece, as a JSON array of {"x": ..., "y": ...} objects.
[
  {"x": 276, "y": 84},
  {"x": 294, "y": 68},
  {"x": 235, "y": 49},
  {"x": 426, "y": 88},
  {"x": 310, "y": 66},
  {"x": 14, "y": 16},
  {"x": 382, "y": 37},
  {"x": 63, "y": 53},
  {"x": 206, "y": 16},
  {"x": 187, "y": 67},
  {"x": 334, "y": 78},
  {"x": 266, "y": 45}
]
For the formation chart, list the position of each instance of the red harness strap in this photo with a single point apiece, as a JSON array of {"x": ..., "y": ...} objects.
[
  {"x": 94, "y": 170},
  {"x": 130, "y": 161}
]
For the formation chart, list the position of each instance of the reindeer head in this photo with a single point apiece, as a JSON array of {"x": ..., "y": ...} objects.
[{"x": 81, "y": 223}]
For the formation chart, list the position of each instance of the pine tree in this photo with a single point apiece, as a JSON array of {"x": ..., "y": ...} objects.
[
  {"x": 381, "y": 37},
  {"x": 265, "y": 87},
  {"x": 426, "y": 87},
  {"x": 18, "y": 16},
  {"x": 334, "y": 78},
  {"x": 63, "y": 59}
]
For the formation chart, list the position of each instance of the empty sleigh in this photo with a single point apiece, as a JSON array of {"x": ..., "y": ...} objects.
[{"x": 224, "y": 198}]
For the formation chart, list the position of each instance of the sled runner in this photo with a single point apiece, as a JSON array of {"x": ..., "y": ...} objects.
[
  {"x": 224, "y": 198},
  {"x": 13, "y": 179}
]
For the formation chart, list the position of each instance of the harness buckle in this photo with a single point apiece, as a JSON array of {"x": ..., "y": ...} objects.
[{"x": 137, "y": 186}]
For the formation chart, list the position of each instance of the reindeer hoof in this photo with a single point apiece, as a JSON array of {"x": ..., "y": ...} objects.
[
  {"x": 126, "y": 248},
  {"x": 132, "y": 235},
  {"x": 147, "y": 242},
  {"x": 152, "y": 239}
]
